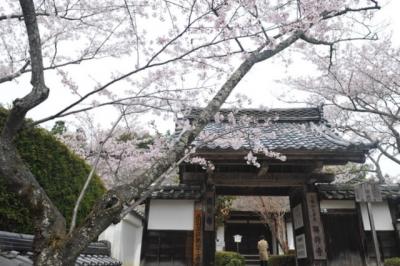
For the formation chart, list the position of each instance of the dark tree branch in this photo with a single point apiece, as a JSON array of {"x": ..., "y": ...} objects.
[
  {"x": 331, "y": 44},
  {"x": 48, "y": 222},
  {"x": 332, "y": 14}
]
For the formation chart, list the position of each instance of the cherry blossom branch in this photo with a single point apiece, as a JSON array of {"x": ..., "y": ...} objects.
[
  {"x": 134, "y": 26},
  {"x": 332, "y": 14},
  {"x": 84, "y": 57},
  {"x": 364, "y": 110},
  {"x": 122, "y": 101},
  {"x": 62, "y": 16},
  {"x": 331, "y": 44},
  {"x": 92, "y": 171},
  {"x": 378, "y": 170},
  {"x": 16, "y": 74},
  {"x": 113, "y": 202},
  {"x": 149, "y": 64},
  {"x": 152, "y": 187},
  {"x": 380, "y": 148}
]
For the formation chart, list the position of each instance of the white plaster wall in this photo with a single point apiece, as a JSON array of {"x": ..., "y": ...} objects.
[
  {"x": 381, "y": 214},
  {"x": 131, "y": 241},
  {"x": 171, "y": 215},
  {"x": 112, "y": 234},
  {"x": 220, "y": 238},
  {"x": 289, "y": 234},
  {"x": 126, "y": 240}
]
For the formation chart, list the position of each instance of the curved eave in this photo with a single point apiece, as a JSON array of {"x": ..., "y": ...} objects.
[{"x": 339, "y": 156}]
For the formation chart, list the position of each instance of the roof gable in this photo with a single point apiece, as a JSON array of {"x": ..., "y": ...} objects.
[
  {"x": 278, "y": 114},
  {"x": 282, "y": 130}
]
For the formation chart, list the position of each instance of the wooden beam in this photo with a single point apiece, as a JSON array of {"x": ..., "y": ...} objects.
[
  {"x": 254, "y": 191},
  {"x": 193, "y": 178},
  {"x": 236, "y": 179},
  {"x": 334, "y": 157}
]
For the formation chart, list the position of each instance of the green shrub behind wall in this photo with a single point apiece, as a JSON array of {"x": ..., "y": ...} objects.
[
  {"x": 228, "y": 258},
  {"x": 392, "y": 262},
  {"x": 60, "y": 172}
]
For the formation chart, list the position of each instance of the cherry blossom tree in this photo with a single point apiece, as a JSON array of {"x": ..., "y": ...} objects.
[
  {"x": 361, "y": 91},
  {"x": 271, "y": 211},
  {"x": 167, "y": 43},
  {"x": 350, "y": 173}
]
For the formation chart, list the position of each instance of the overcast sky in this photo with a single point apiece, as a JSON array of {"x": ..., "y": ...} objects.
[{"x": 260, "y": 85}]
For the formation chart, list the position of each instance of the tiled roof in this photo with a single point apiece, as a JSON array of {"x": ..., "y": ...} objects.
[
  {"x": 177, "y": 192},
  {"x": 282, "y": 114},
  {"x": 15, "y": 258},
  {"x": 290, "y": 129},
  {"x": 98, "y": 260},
  {"x": 330, "y": 191},
  {"x": 16, "y": 249}
]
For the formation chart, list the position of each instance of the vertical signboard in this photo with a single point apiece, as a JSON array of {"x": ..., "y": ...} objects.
[
  {"x": 370, "y": 192},
  {"x": 209, "y": 211},
  {"x": 317, "y": 231},
  {"x": 297, "y": 217},
  {"x": 197, "y": 238},
  {"x": 301, "y": 248}
]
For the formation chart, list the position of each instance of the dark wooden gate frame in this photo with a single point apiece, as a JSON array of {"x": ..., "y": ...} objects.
[{"x": 295, "y": 177}]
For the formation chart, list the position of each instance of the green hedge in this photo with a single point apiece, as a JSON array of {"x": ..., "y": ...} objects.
[
  {"x": 227, "y": 258},
  {"x": 392, "y": 262},
  {"x": 282, "y": 260},
  {"x": 60, "y": 172}
]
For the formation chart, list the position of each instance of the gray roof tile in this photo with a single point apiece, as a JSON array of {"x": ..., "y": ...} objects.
[
  {"x": 280, "y": 114},
  {"x": 177, "y": 192},
  {"x": 15, "y": 249},
  {"x": 344, "y": 191},
  {"x": 292, "y": 129}
]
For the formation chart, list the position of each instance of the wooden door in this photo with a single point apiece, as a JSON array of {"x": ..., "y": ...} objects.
[
  {"x": 343, "y": 241},
  {"x": 168, "y": 248}
]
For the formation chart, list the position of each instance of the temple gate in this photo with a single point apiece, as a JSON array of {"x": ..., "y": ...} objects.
[{"x": 304, "y": 138}]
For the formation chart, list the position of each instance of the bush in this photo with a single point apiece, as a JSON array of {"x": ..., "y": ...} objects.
[
  {"x": 282, "y": 260},
  {"x": 227, "y": 258},
  {"x": 392, "y": 262},
  {"x": 60, "y": 172}
]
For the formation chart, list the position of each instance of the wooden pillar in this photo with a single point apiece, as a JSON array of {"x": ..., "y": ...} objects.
[
  {"x": 209, "y": 227},
  {"x": 394, "y": 208},
  {"x": 198, "y": 234},
  {"x": 308, "y": 230},
  {"x": 363, "y": 243}
]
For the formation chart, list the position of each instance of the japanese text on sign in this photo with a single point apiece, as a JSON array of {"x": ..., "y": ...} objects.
[{"x": 317, "y": 232}]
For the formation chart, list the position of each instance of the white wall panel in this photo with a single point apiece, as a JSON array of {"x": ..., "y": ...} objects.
[
  {"x": 126, "y": 240},
  {"x": 381, "y": 214},
  {"x": 171, "y": 215}
]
